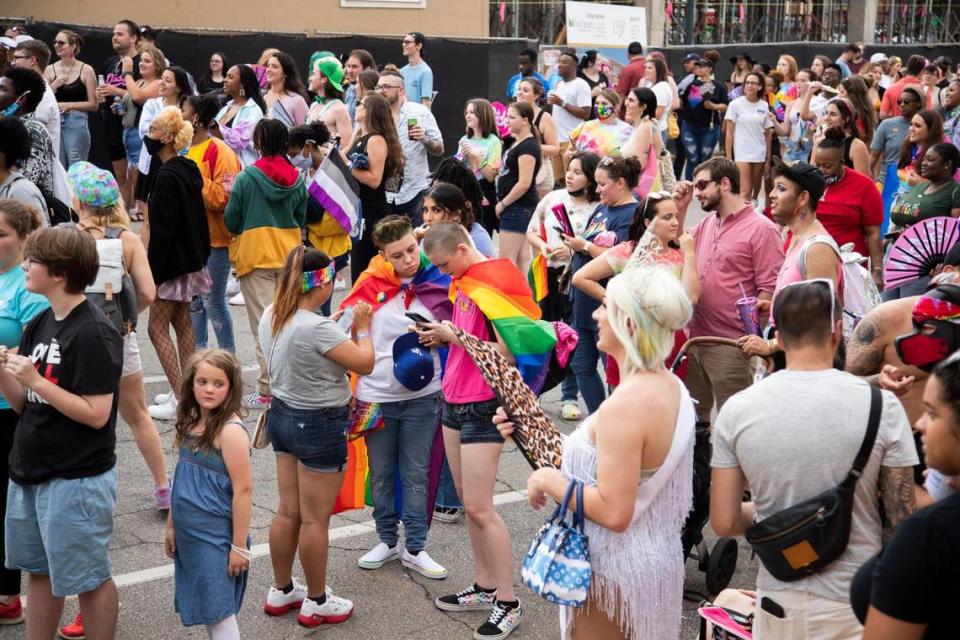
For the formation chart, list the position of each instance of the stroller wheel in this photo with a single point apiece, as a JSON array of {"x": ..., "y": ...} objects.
[{"x": 721, "y": 565}]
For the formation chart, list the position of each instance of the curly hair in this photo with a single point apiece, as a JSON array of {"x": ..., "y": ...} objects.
[{"x": 170, "y": 120}]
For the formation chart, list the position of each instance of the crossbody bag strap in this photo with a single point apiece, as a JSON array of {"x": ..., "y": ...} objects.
[{"x": 873, "y": 426}]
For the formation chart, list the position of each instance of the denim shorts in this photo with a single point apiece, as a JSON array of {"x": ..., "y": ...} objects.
[
  {"x": 317, "y": 437},
  {"x": 516, "y": 218},
  {"x": 474, "y": 421},
  {"x": 62, "y": 529},
  {"x": 132, "y": 143}
]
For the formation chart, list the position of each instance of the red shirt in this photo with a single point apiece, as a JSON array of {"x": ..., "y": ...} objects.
[
  {"x": 889, "y": 103},
  {"x": 849, "y": 206},
  {"x": 744, "y": 250},
  {"x": 629, "y": 78}
]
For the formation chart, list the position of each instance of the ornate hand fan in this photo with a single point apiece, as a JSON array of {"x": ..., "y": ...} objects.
[{"x": 920, "y": 249}]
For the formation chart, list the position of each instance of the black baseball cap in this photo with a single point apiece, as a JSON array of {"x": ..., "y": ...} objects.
[
  {"x": 807, "y": 176},
  {"x": 691, "y": 57}
]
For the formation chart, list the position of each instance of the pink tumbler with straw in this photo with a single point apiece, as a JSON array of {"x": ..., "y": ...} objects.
[{"x": 749, "y": 316}]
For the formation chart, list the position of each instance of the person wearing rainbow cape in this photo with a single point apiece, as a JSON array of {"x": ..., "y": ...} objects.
[
  {"x": 493, "y": 302},
  {"x": 399, "y": 401}
]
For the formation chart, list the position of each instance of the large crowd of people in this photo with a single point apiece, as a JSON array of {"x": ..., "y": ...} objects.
[{"x": 561, "y": 218}]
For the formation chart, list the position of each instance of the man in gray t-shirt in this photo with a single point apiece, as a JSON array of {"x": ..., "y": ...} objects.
[{"x": 795, "y": 435}]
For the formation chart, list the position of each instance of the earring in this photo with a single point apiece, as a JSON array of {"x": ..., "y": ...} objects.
[{"x": 243, "y": 94}]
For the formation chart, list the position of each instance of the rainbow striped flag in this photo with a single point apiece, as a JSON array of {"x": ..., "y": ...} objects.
[
  {"x": 501, "y": 292},
  {"x": 537, "y": 277},
  {"x": 353, "y": 491}
]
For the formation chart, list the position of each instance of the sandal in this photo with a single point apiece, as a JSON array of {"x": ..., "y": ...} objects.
[
  {"x": 135, "y": 216},
  {"x": 570, "y": 410}
]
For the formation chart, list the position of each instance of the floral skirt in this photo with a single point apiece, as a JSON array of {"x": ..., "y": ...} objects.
[{"x": 185, "y": 287}]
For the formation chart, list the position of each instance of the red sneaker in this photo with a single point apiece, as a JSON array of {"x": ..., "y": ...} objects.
[
  {"x": 74, "y": 630},
  {"x": 11, "y": 613}
]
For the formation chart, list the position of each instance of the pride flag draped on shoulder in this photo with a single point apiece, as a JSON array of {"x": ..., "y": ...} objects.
[
  {"x": 338, "y": 192},
  {"x": 501, "y": 292}
]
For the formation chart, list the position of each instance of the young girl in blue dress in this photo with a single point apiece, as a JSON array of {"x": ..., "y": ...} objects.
[{"x": 209, "y": 522}]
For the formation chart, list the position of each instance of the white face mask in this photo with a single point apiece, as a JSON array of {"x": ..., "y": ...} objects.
[{"x": 301, "y": 161}]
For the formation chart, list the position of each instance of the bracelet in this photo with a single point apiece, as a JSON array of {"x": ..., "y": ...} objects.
[
  {"x": 246, "y": 553},
  {"x": 361, "y": 336}
]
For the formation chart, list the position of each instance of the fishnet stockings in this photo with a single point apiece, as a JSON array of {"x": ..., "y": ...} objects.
[{"x": 164, "y": 313}]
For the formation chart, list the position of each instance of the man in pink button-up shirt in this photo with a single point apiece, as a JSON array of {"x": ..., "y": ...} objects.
[{"x": 735, "y": 247}]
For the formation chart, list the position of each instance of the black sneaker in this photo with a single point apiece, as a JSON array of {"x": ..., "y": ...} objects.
[
  {"x": 501, "y": 623},
  {"x": 470, "y": 599}
]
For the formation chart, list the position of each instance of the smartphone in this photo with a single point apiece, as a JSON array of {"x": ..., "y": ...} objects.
[
  {"x": 772, "y": 607},
  {"x": 417, "y": 318}
]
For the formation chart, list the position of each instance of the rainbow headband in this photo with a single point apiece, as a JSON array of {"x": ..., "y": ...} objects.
[
  {"x": 318, "y": 278},
  {"x": 928, "y": 308}
]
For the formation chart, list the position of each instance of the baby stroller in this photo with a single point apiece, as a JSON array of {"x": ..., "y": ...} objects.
[{"x": 720, "y": 563}]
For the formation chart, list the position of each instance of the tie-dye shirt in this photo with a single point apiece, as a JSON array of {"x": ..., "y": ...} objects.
[{"x": 601, "y": 138}]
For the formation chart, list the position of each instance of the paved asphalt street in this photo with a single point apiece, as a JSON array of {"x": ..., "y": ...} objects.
[{"x": 390, "y": 602}]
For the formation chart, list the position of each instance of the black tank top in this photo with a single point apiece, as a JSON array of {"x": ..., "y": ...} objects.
[
  {"x": 72, "y": 92},
  {"x": 847, "y": 143}
]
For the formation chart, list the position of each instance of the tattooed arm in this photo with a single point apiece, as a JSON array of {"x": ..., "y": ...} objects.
[
  {"x": 865, "y": 348},
  {"x": 898, "y": 497}
]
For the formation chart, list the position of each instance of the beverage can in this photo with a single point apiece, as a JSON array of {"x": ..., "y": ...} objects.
[
  {"x": 411, "y": 123},
  {"x": 749, "y": 316}
]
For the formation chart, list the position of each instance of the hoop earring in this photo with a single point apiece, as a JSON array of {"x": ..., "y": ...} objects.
[{"x": 243, "y": 94}]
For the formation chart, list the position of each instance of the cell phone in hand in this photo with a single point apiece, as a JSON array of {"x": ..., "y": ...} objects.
[
  {"x": 417, "y": 318},
  {"x": 772, "y": 607}
]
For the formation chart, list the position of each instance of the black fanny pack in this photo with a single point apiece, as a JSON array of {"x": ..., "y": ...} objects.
[{"x": 801, "y": 540}]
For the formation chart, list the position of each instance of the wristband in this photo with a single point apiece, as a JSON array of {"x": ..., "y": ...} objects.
[
  {"x": 361, "y": 336},
  {"x": 246, "y": 553}
]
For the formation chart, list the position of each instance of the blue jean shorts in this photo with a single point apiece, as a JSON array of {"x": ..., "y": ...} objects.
[
  {"x": 132, "y": 143},
  {"x": 62, "y": 529},
  {"x": 316, "y": 437},
  {"x": 474, "y": 421},
  {"x": 516, "y": 218}
]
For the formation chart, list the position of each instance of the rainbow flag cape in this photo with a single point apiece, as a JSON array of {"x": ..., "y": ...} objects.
[
  {"x": 501, "y": 292},
  {"x": 375, "y": 286},
  {"x": 537, "y": 273},
  {"x": 378, "y": 284}
]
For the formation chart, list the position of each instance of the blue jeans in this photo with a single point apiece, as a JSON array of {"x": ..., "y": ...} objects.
[
  {"x": 585, "y": 360},
  {"x": 340, "y": 262},
  {"x": 74, "y": 137},
  {"x": 698, "y": 144},
  {"x": 411, "y": 209},
  {"x": 404, "y": 445},
  {"x": 568, "y": 388},
  {"x": 447, "y": 491},
  {"x": 214, "y": 304}
]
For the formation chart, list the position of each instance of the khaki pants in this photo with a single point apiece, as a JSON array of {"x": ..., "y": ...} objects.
[
  {"x": 807, "y": 616},
  {"x": 715, "y": 372},
  {"x": 258, "y": 288}
]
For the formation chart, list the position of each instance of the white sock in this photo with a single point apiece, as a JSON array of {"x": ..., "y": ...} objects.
[{"x": 226, "y": 629}]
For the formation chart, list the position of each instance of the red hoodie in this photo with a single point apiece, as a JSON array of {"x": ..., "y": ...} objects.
[{"x": 278, "y": 169}]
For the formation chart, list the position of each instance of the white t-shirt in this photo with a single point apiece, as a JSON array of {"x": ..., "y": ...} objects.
[
  {"x": 48, "y": 113},
  {"x": 578, "y": 215},
  {"x": 749, "y": 141},
  {"x": 575, "y": 92},
  {"x": 795, "y": 435},
  {"x": 388, "y": 324},
  {"x": 664, "y": 99}
]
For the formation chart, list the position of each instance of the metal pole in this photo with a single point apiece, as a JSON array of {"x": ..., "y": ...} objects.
[
  {"x": 516, "y": 18},
  {"x": 691, "y": 21}
]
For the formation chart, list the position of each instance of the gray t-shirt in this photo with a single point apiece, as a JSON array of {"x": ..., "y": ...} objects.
[
  {"x": 300, "y": 373},
  {"x": 795, "y": 435},
  {"x": 889, "y": 137}
]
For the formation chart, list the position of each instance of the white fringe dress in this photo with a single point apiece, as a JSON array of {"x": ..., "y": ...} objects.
[{"x": 638, "y": 574}]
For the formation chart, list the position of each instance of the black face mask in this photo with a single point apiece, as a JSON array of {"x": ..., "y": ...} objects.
[{"x": 152, "y": 145}]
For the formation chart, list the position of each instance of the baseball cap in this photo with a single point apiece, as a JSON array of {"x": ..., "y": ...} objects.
[
  {"x": 705, "y": 62},
  {"x": 93, "y": 186},
  {"x": 691, "y": 57},
  {"x": 332, "y": 69},
  {"x": 412, "y": 362},
  {"x": 807, "y": 176},
  {"x": 878, "y": 57}
]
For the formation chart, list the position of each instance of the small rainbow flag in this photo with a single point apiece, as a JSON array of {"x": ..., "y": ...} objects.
[
  {"x": 353, "y": 491},
  {"x": 500, "y": 291},
  {"x": 537, "y": 277}
]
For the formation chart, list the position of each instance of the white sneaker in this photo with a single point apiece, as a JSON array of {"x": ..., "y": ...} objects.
[
  {"x": 379, "y": 556},
  {"x": 339, "y": 285},
  {"x": 165, "y": 412},
  {"x": 423, "y": 564},
  {"x": 335, "y": 609},
  {"x": 278, "y": 602},
  {"x": 237, "y": 300},
  {"x": 163, "y": 398},
  {"x": 233, "y": 286}
]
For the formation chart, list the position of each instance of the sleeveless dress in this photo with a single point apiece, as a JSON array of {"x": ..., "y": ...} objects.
[
  {"x": 638, "y": 574},
  {"x": 202, "y": 508}
]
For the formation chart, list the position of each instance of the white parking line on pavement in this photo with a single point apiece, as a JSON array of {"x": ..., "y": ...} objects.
[
  {"x": 163, "y": 378},
  {"x": 260, "y": 550}
]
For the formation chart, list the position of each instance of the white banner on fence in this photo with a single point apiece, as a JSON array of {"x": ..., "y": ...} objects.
[{"x": 605, "y": 25}]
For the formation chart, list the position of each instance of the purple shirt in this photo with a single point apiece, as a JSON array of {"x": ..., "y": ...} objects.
[{"x": 746, "y": 249}]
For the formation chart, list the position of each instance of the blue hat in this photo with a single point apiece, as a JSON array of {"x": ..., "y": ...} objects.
[{"x": 412, "y": 362}]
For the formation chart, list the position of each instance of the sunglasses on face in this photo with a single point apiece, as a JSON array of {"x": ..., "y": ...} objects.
[
  {"x": 906, "y": 100},
  {"x": 700, "y": 185}
]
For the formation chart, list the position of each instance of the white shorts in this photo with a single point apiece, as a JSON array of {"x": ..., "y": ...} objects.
[{"x": 131, "y": 355}]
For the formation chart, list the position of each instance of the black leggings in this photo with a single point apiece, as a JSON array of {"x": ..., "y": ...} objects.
[{"x": 9, "y": 579}]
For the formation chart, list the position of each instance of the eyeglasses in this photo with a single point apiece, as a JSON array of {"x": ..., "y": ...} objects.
[
  {"x": 700, "y": 185},
  {"x": 816, "y": 282},
  {"x": 409, "y": 42},
  {"x": 59, "y": 43},
  {"x": 751, "y": 82},
  {"x": 384, "y": 87}
]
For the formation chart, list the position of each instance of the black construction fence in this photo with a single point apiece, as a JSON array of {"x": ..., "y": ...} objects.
[{"x": 462, "y": 69}]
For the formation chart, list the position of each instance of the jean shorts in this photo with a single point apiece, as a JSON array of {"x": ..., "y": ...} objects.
[
  {"x": 62, "y": 529},
  {"x": 474, "y": 421},
  {"x": 132, "y": 143},
  {"x": 516, "y": 218},
  {"x": 316, "y": 437}
]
